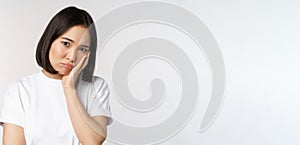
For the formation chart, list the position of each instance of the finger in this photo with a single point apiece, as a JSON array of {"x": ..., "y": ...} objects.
[
  {"x": 86, "y": 60},
  {"x": 82, "y": 63}
]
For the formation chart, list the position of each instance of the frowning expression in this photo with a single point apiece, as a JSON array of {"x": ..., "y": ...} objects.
[{"x": 67, "y": 50}]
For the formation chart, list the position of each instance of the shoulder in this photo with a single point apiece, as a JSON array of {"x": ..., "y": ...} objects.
[
  {"x": 96, "y": 80},
  {"x": 23, "y": 82},
  {"x": 29, "y": 79},
  {"x": 96, "y": 83},
  {"x": 20, "y": 88}
]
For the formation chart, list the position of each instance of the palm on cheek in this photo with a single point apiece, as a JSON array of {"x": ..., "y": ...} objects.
[{"x": 70, "y": 79}]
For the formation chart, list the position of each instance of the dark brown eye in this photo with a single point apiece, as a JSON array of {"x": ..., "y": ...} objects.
[
  {"x": 67, "y": 44},
  {"x": 82, "y": 49}
]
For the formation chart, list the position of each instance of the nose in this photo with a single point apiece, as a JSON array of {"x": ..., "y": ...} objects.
[{"x": 71, "y": 54}]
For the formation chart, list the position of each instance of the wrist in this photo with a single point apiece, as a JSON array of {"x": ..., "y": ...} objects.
[{"x": 69, "y": 91}]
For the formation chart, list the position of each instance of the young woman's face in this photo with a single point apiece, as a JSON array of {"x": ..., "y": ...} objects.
[{"x": 68, "y": 49}]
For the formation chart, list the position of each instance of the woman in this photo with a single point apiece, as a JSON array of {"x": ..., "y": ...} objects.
[{"x": 63, "y": 104}]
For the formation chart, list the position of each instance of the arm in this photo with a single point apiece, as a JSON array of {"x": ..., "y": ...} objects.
[
  {"x": 89, "y": 130},
  {"x": 13, "y": 135}
]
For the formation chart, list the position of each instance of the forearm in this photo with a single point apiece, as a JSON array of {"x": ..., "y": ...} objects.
[
  {"x": 13, "y": 135},
  {"x": 88, "y": 131}
]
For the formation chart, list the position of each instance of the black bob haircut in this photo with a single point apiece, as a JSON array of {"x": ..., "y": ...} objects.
[{"x": 59, "y": 24}]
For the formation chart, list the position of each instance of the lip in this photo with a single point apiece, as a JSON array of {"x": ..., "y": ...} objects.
[{"x": 68, "y": 66}]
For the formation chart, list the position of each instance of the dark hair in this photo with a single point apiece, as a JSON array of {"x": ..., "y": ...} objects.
[{"x": 59, "y": 24}]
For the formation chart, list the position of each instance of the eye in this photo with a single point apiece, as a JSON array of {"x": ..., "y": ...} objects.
[
  {"x": 65, "y": 43},
  {"x": 83, "y": 49}
]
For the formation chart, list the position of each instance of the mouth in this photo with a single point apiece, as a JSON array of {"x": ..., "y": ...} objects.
[{"x": 67, "y": 66}]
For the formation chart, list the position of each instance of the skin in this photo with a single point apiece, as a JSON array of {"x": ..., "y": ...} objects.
[{"x": 68, "y": 55}]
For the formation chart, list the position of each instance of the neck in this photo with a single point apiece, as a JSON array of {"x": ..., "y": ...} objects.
[{"x": 52, "y": 76}]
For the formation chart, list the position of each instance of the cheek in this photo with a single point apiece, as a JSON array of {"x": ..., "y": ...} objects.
[
  {"x": 78, "y": 57},
  {"x": 55, "y": 52}
]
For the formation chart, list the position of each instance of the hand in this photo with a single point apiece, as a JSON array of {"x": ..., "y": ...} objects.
[{"x": 69, "y": 80}]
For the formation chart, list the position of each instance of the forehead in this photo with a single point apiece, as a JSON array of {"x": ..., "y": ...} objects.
[{"x": 79, "y": 34}]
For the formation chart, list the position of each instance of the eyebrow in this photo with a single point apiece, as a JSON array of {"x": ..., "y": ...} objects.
[
  {"x": 73, "y": 41},
  {"x": 85, "y": 46},
  {"x": 67, "y": 39}
]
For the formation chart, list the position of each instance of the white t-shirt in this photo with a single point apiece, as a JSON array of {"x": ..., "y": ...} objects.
[{"x": 37, "y": 103}]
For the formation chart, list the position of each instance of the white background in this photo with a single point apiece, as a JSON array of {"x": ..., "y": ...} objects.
[{"x": 259, "y": 40}]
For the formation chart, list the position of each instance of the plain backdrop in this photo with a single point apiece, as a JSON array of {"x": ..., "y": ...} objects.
[{"x": 259, "y": 40}]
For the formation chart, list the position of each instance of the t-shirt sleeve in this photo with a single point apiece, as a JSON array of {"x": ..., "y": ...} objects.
[
  {"x": 12, "y": 110},
  {"x": 100, "y": 101}
]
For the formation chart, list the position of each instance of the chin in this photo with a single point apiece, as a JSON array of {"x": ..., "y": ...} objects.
[{"x": 64, "y": 73}]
